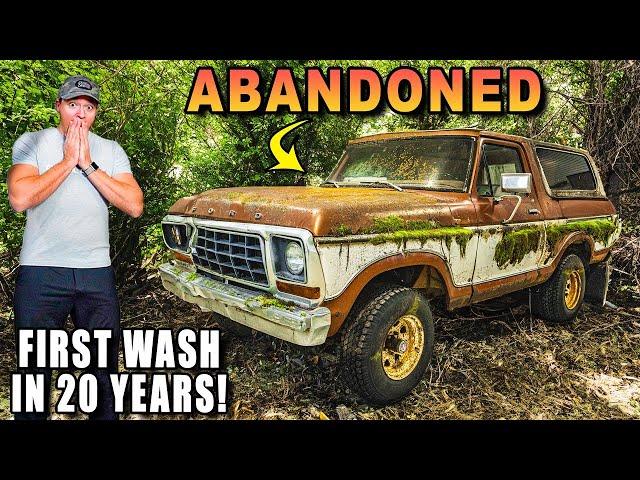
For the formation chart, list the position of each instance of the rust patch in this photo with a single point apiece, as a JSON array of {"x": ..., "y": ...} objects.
[
  {"x": 299, "y": 290},
  {"x": 182, "y": 257},
  {"x": 320, "y": 210}
]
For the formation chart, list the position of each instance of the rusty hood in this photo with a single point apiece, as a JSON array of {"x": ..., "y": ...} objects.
[{"x": 321, "y": 210}]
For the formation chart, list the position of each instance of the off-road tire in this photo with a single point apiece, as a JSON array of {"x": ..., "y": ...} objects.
[
  {"x": 234, "y": 328},
  {"x": 548, "y": 299},
  {"x": 364, "y": 339}
]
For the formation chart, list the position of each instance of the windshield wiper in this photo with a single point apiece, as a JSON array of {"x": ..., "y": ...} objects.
[
  {"x": 418, "y": 186},
  {"x": 330, "y": 182},
  {"x": 380, "y": 182}
]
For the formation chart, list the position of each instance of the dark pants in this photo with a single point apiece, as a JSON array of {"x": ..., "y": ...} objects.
[{"x": 45, "y": 296}]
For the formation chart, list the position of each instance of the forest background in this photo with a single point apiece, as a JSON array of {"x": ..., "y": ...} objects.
[{"x": 592, "y": 104}]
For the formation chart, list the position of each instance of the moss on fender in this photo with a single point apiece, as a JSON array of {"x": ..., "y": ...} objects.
[
  {"x": 343, "y": 230},
  {"x": 395, "y": 229},
  {"x": 600, "y": 230},
  {"x": 446, "y": 234},
  {"x": 393, "y": 223}
]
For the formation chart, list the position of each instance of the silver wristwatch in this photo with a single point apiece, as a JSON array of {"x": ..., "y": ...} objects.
[{"x": 90, "y": 169}]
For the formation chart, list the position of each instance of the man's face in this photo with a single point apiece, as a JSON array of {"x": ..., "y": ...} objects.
[{"x": 83, "y": 108}]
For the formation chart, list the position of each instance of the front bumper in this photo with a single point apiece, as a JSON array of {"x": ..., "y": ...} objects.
[{"x": 248, "y": 307}]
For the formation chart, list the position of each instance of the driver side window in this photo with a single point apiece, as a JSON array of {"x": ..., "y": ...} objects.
[{"x": 496, "y": 160}]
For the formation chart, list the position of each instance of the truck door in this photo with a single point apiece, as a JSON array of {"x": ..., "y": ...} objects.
[{"x": 499, "y": 256}]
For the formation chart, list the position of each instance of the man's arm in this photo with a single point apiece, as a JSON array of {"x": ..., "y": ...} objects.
[
  {"x": 121, "y": 190},
  {"x": 27, "y": 188}
]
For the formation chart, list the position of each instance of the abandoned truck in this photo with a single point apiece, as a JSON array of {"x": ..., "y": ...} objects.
[{"x": 455, "y": 216}]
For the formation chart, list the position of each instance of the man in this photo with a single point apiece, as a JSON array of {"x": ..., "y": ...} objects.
[{"x": 64, "y": 178}]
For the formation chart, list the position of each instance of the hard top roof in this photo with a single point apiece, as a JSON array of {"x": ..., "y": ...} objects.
[{"x": 468, "y": 132}]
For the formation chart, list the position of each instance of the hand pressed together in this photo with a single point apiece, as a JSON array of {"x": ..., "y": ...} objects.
[{"x": 76, "y": 144}]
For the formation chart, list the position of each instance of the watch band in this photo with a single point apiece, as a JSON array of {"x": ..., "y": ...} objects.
[{"x": 90, "y": 169}]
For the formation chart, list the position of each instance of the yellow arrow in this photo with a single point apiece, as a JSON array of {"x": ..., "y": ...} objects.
[{"x": 286, "y": 160}]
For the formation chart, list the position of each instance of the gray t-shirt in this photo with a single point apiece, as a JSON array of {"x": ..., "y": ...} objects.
[{"x": 71, "y": 227}]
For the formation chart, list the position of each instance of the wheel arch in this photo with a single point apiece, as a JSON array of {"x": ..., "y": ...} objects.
[{"x": 419, "y": 270}]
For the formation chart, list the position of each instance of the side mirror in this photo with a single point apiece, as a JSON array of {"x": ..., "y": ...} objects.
[
  {"x": 512, "y": 184},
  {"x": 515, "y": 182}
]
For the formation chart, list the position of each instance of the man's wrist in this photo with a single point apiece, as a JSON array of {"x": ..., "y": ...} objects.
[
  {"x": 69, "y": 162},
  {"x": 93, "y": 166}
]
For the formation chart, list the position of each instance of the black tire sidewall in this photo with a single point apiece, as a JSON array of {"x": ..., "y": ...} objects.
[
  {"x": 570, "y": 263},
  {"x": 387, "y": 389}
]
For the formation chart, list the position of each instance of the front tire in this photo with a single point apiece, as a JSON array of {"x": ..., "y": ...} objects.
[
  {"x": 386, "y": 349},
  {"x": 559, "y": 299}
]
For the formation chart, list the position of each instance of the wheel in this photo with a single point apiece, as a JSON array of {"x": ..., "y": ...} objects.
[
  {"x": 559, "y": 299},
  {"x": 234, "y": 328},
  {"x": 386, "y": 349}
]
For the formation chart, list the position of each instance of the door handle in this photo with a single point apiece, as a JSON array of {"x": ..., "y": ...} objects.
[{"x": 534, "y": 211}]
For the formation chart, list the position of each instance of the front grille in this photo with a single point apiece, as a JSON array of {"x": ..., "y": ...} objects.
[{"x": 233, "y": 255}]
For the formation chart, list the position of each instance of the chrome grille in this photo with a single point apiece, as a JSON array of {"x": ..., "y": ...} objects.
[{"x": 230, "y": 254}]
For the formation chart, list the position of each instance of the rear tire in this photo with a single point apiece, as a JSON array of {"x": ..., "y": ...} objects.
[
  {"x": 386, "y": 349},
  {"x": 559, "y": 299}
]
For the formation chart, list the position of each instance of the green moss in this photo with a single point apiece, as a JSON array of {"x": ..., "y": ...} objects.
[
  {"x": 343, "y": 230},
  {"x": 446, "y": 234},
  {"x": 388, "y": 224},
  {"x": 600, "y": 230},
  {"x": 515, "y": 244},
  {"x": 393, "y": 223},
  {"x": 397, "y": 230},
  {"x": 264, "y": 301}
]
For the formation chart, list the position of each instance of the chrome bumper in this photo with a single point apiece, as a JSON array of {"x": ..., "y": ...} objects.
[{"x": 248, "y": 307}]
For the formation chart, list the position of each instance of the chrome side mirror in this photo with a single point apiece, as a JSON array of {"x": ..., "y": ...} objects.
[
  {"x": 515, "y": 182},
  {"x": 512, "y": 184}
]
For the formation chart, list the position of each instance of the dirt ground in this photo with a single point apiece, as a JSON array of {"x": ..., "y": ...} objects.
[{"x": 488, "y": 363}]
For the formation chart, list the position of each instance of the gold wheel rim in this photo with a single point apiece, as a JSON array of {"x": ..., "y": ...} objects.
[
  {"x": 572, "y": 290},
  {"x": 403, "y": 347}
]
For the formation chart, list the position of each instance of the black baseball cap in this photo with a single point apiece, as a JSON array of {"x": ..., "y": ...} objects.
[{"x": 78, "y": 86}]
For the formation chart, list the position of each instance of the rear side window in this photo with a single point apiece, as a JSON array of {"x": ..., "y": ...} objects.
[{"x": 566, "y": 170}]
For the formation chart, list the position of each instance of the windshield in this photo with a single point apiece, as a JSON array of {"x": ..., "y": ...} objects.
[{"x": 438, "y": 163}]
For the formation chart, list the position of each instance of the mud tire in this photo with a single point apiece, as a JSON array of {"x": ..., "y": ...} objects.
[
  {"x": 549, "y": 300},
  {"x": 365, "y": 340}
]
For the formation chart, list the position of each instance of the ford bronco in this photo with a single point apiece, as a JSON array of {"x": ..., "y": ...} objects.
[{"x": 454, "y": 216}]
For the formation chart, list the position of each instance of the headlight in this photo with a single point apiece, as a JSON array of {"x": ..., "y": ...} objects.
[
  {"x": 294, "y": 258},
  {"x": 288, "y": 259},
  {"x": 176, "y": 235}
]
